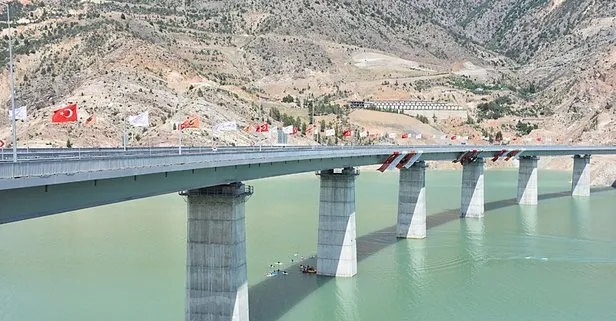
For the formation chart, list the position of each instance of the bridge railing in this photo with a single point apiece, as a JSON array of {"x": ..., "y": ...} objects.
[
  {"x": 45, "y": 167},
  {"x": 45, "y": 163},
  {"x": 43, "y": 154}
]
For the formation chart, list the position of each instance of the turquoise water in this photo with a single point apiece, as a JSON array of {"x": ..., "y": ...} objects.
[{"x": 556, "y": 261}]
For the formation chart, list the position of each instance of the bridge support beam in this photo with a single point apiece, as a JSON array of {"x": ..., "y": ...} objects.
[
  {"x": 336, "y": 250},
  {"x": 527, "y": 180},
  {"x": 216, "y": 277},
  {"x": 472, "y": 189},
  {"x": 412, "y": 202},
  {"x": 580, "y": 183}
]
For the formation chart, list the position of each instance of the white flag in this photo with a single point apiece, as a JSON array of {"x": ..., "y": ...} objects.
[
  {"x": 363, "y": 134},
  {"x": 418, "y": 136},
  {"x": 20, "y": 113},
  {"x": 288, "y": 129},
  {"x": 392, "y": 135},
  {"x": 330, "y": 132},
  {"x": 229, "y": 126},
  {"x": 140, "y": 120},
  {"x": 274, "y": 131}
]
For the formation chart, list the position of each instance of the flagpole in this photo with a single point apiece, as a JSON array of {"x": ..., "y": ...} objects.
[
  {"x": 14, "y": 123},
  {"x": 180, "y": 141},
  {"x": 351, "y": 128},
  {"x": 125, "y": 135},
  {"x": 312, "y": 117}
]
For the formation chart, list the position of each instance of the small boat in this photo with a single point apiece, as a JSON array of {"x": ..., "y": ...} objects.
[{"x": 310, "y": 270}]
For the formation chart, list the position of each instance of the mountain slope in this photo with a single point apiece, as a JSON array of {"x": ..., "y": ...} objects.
[{"x": 234, "y": 60}]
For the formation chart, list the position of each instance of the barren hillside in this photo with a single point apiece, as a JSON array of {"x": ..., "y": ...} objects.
[{"x": 531, "y": 70}]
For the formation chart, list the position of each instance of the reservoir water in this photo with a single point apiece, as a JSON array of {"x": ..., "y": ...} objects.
[{"x": 126, "y": 261}]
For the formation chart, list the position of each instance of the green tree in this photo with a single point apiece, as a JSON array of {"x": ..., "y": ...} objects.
[
  {"x": 469, "y": 120},
  {"x": 288, "y": 99}
]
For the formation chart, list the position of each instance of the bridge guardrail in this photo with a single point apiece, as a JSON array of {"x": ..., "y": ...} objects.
[
  {"x": 81, "y": 153},
  {"x": 72, "y": 166},
  {"x": 45, "y": 163}
]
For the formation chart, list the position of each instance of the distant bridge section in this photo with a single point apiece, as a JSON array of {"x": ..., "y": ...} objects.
[{"x": 412, "y": 107}]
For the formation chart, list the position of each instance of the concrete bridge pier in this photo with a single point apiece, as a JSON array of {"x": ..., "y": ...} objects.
[
  {"x": 527, "y": 180},
  {"x": 336, "y": 250},
  {"x": 216, "y": 277},
  {"x": 580, "y": 183},
  {"x": 412, "y": 202},
  {"x": 472, "y": 204}
]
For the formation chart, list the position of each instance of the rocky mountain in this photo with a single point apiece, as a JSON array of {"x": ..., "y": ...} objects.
[{"x": 551, "y": 62}]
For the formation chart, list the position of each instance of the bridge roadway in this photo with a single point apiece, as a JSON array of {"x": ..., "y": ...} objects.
[{"x": 50, "y": 181}]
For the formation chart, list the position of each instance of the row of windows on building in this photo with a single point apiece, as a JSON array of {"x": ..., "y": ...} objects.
[{"x": 402, "y": 104}]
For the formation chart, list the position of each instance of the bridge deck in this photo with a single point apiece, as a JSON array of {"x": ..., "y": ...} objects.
[
  {"x": 55, "y": 166},
  {"x": 45, "y": 182}
]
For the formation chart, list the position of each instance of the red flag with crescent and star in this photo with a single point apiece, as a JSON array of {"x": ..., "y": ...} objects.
[
  {"x": 263, "y": 128},
  {"x": 65, "y": 114},
  {"x": 191, "y": 122}
]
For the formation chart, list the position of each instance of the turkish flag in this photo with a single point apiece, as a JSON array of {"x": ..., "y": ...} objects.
[
  {"x": 191, "y": 122},
  {"x": 295, "y": 131},
  {"x": 346, "y": 133},
  {"x": 65, "y": 114},
  {"x": 263, "y": 128},
  {"x": 405, "y": 135}
]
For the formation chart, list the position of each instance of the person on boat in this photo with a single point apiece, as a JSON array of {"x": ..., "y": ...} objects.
[{"x": 309, "y": 269}]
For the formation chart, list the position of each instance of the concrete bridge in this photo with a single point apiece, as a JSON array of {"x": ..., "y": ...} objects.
[{"x": 50, "y": 181}]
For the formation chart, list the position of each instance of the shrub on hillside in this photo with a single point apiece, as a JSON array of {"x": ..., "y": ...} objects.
[{"x": 495, "y": 109}]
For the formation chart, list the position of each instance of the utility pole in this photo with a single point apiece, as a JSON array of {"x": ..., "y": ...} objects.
[
  {"x": 13, "y": 119},
  {"x": 312, "y": 124}
]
